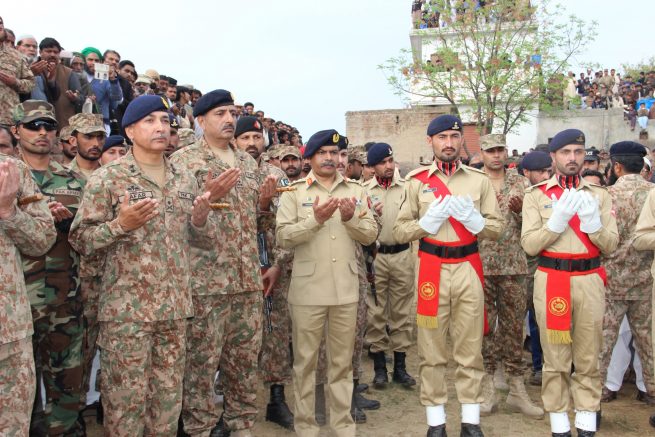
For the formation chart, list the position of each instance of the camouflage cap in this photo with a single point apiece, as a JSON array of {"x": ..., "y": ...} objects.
[
  {"x": 31, "y": 110},
  {"x": 65, "y": 133},
  {"x": 86, "y": 123},
  {"x": 187, "y": 137},
  {"x": 357, "y": 153},
  {"x": 289, "y": 151},
  {"x": 491, "y": 141},
  {"x": 273, "y": 152}
]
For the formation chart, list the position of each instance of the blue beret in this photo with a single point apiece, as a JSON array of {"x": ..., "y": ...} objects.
[
  {"x": 247, "y": 124},
  {"x": 113, "y": 141},
  {"x": 443, "y": 123},
  {"x": 343, "y": 142},
  {"x": 173, "y": 121},
  {"x": 212, "y": 100},
  {"x": 322, "y": 138},
  {"x": 628, "y": 148},
  {"x": 566, "y": 137},
  {"x": 536, "y": 161},
  {"x": 142, "y": 106},
  {"x": 378, "y": 152}
]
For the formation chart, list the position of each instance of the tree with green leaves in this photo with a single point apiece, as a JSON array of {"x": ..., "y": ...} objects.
[{"x": 493, "y": 61}]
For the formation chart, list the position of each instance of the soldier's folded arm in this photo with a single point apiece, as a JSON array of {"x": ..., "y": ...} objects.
[
  {"x": 96, "y": 225},
  {"x": 493, "y": 218},
  {"x": 607, "y": 237},
  {"x": 645, "y": 230},
  {"x": 362, "y": 229},
  {"x": 406, "y": 228},
  {"x": 535, "y": 235},
  {"x": 291, "y": 229},
  {"x": 31, "y": 228}
]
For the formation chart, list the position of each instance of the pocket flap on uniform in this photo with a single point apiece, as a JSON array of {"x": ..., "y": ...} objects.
[{"x": 303, "y": 268}]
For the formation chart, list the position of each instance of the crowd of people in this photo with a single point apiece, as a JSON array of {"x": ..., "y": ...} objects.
[{"x": 229, "y": 246}]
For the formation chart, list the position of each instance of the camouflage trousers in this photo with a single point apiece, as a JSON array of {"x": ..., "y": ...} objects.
[
  {"x": 640, "y": 318},
  {"x": 57, "y": 340},
  {"x": 89, "y": 290},
  {"x": 360, "y": 333},
  {"x": 141, "y": 381},
  {"x": 275, "y": 355},
  {"x": 17, "y": 387},
  {"x": 504, "y": 300}
]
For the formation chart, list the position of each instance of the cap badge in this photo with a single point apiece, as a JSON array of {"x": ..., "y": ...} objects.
[{"x": 335, "y": 138}]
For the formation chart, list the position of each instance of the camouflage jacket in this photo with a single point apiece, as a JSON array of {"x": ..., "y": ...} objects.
[
  {"x": 505, "y": 256},
  {"x": 14, "y": 64},
  {"x": 628, "y": 270},
  {"x": 146, "y": 275},
  {"x": 53, "y": 278},
  {"x": 266, "y": 219},
  {"x": 30, "y": 232},
  {"x": 232, "y": 266}
]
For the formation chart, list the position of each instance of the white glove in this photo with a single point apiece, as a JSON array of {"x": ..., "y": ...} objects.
[
  {"x": 437, "y": 213},
  {"x": 563, "y": 210},
  {"x": 589, "y": 214},
  {"x": 463, "y": 210}
]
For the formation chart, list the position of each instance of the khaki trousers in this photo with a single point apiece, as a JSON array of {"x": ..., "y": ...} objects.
[
  {"x": 308, "y": 325},
  {"x": 461, "y": 305},
  {"x": 395, "y": 283},
  {"x": 585, "y": 385},
  {"x": 17, "y": 387}
]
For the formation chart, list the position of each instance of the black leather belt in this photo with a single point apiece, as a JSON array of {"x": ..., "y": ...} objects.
[
  {"x": 396, "y": 248},
  {"x": 569, "y": 265},
  {"x": 452, "y": 252}
]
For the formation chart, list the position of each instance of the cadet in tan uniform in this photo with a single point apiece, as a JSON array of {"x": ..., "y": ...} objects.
[
  {"x": 448, "y": 206},
  {"x": 324, "y": 282},
  {"x": 394, "y": 274},
  {"x": 568, "y": 222}
]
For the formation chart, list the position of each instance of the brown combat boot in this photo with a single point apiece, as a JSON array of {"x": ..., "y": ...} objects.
[
  {"x": 490, "y": 403},
  {"x": 519, "y": 401}
]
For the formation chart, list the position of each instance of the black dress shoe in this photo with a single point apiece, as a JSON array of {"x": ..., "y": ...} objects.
[
  {"x": 562, "y": 434},
  {"x": 470, "y": 430},
  {"x": 583, "y": 433},
  {"x": 437, "y": 431}
]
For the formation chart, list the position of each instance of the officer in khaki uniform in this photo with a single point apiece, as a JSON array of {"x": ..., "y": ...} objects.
[
  {"x": 324, "y": 281},
  {"x": 394, "y": 273},
  {"x": 448, "y": 206},
  {"x": 568, "y": 222}
]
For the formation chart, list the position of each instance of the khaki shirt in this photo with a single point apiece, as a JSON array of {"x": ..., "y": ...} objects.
[
  {"x": 537, "y": 209},
  {"x": 30, "y": 232},
  {"x": 465, "y": 181},
  {"x": 325, "y": 264},
  {"x": 390, "y": 198},
  {"x": 146, "y": 275}
]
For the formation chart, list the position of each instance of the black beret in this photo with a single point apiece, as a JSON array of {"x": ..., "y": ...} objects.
[
  {"x": 536, "y": 161},
  {"x": 212, "y": 100},
  {"x": 566, "y": 137},
  {"x": 378, "y": 152},
  {"x": 591, "y": 154},
  {"x": 628, "y": 148},
  {"x": 328, "y": 137},
  {"x": 443, "y": 123},
  {"x": 113, "y": 141},
  {"x": 247, "y": 124},
  {"x": 142, "y": 106},
  {"x": 343, "y": 142}
]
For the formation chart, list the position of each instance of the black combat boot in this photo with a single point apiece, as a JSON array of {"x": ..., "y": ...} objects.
[
  {"x": 400, "y": 375},
  {"x": 437, "y": 431},
  {"x": 356, "y": 413},
  {"x": 277, "y": 410},
  {"x": 221, "y": 429},
  {"x": 381, "y": 377},
  {"x": 180, "y": 428},
  {"x": 470, "y": 430},
  {"x": 319, "y": 405},
  {"x": 361, "y": 402},
  {"x": 583, "y": 433},
  {"x": 361, "y": 387}
]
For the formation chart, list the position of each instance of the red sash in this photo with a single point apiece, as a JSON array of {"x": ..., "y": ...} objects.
[
  {"x": 429, "y": 271},
  {"x": 558, "y": 282}
]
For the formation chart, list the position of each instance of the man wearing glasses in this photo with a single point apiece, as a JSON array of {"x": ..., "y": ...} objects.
[{"x": 52, "y": 279}]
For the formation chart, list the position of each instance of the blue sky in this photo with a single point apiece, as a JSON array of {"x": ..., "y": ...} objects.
[{"x": 306, "y": 62}]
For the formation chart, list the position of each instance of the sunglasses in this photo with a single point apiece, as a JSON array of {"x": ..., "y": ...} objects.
[{"x": 36, "y": 125}]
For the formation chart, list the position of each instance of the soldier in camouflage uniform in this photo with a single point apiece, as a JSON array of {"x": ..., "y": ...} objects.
[
  {"x": 143, "y": 212},
  {"x": 52, "y": 279},
  {"x": 26, "y": 228},
  {"x": 227, "y": 284},
  {"x": 505, "y": 266},
  {"x": 629, "y": 283},
  {"x": 15, "y": 77}
]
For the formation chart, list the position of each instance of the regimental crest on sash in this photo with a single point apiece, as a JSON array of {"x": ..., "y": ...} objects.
[
  {"x": 427, "y": 290},
  {"x": 558, "y": 306}
]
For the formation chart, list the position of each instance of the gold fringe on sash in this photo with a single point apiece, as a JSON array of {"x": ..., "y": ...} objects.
[
  {"x": 559, "y": 337},
  {"x": 428, "y": 322}
]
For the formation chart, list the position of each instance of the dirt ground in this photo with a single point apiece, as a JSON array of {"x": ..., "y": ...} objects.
[{"x": 402, "y": 415}]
